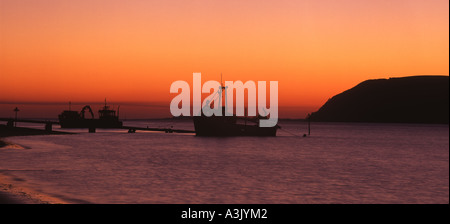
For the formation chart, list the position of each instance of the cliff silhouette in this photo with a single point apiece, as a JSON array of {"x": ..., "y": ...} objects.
[{"x": 414, "y": 99}]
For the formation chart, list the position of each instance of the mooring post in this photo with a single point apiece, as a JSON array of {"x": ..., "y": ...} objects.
[
  {"x": 309, "y": 124},
  {"x": 48, "y": 127},
  {"x": 10, "y": 123},
  {"x": 16, "y": 110}
]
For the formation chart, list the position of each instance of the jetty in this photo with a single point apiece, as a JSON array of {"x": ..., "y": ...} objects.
[
  {"x": 13, "y": 122},
  {"x": 11, "y": 127},
  {"x": 166, "y": 130}
]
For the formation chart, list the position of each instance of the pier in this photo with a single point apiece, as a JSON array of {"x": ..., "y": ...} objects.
[
  {"x": 48, "y": 126},
  {"x": 11, "y": 129},
  {"x": 166, "y": 130},
  {"x": 13, "y": 122}
]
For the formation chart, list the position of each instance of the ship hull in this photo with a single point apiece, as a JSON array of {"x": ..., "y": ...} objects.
[{"x": 216, "y": 126}]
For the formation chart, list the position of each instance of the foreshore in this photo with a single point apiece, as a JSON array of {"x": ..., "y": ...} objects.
[{"x": 10, "y": 194}]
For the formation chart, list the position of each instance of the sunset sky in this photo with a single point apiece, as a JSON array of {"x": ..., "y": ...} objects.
[{"x": 131, "y": 51}]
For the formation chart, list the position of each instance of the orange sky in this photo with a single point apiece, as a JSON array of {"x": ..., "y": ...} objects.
[{"x": 131, "y": 51}]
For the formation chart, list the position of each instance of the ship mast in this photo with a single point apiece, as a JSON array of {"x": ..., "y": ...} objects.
[{"x": 222, "y": 92}]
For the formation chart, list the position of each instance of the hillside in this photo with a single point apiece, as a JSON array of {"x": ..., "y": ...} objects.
[{"x": 415, "y": 99}]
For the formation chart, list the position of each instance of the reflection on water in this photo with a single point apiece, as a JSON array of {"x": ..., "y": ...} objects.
[{"x": 338, "y": 163}]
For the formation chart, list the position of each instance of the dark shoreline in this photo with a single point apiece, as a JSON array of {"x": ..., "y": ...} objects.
[
  {"x": 6, "y": 131},
  {"x": 2, "y": 143},
  {"x": 411, "y": 99}
]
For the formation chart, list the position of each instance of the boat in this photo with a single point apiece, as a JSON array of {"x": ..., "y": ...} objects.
[
  {"x": 230, "y": 124},
  {"x": 74, "y": 119}
]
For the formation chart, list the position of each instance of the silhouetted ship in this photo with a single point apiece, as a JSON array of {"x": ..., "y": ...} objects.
[
  {"x": 73, "y": 119},
  {"x": 231, "y": 125}
]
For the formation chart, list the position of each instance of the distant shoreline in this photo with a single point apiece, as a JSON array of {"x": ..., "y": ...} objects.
[{"x": 411, "y": 99}]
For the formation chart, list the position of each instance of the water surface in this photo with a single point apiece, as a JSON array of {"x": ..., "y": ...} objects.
[{"x": 338, "y": 163}]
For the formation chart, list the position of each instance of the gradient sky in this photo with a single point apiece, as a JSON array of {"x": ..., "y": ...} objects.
[{"x": 131, "y": 51}]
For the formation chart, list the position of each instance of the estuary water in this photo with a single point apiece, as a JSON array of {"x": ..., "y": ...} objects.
[{"x": 338, "y": 163}]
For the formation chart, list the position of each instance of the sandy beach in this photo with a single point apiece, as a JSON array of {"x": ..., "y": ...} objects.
[
  {"x": 10, "y": 194},
  {"x": 14, "y": 194},
  {"x": 7, "y": 197}
]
